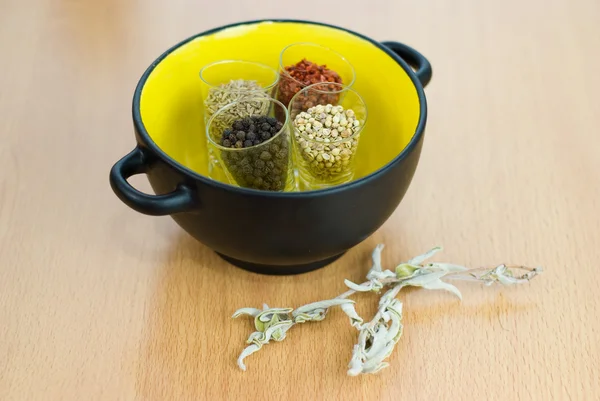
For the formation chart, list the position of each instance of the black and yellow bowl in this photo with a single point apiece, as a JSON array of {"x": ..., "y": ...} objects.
[{"x": 262, "y": 231}]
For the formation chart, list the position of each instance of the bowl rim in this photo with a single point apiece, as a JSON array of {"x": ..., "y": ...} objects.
[{"x": 143, "y": 135}]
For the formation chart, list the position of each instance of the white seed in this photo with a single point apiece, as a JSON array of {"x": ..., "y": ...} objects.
[
  {"x": 326, "y": 131},
  {"x": 336, "y": 151},
  {"x": 326, "y": 156},
  {"x": 350, "y": 113},
  {"x": 336, "y": 119},
  {"x": 328, "y": 164},
  {"x": 328, "y": 108},
  {"x": 311, "y": 136},
  {"x": 328, "y": 123},
  {"x": 356, "y": 123},
  {"x": 317, "y": 124}
]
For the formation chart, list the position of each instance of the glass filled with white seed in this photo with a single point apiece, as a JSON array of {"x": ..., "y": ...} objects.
[{"x": 326, "y": 136}]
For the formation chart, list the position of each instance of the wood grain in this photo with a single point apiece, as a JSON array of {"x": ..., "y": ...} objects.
[{"x": 98, "y": 302}]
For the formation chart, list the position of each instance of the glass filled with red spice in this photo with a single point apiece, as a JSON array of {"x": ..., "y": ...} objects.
[{"x": 303, "y": 64}]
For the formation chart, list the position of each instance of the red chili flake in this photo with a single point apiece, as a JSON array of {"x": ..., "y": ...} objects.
[{"x": 305, "y": 73}]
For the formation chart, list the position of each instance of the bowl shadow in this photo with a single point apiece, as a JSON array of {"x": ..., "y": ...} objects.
[{"x": 190, "y": 341}]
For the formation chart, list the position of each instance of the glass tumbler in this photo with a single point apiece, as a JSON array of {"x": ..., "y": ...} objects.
[
  {"x": 252, "y": 157},
  {"x": 326, "y": 136},
  {"x": 293, "y": 78},
  {"x": 229, "y": 81}
]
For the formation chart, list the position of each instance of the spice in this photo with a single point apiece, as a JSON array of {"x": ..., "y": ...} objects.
[
  {"x": 326, "y": 139},
  {"x": 259, "y": 155},
  {"x": 237, "y": 90},
  {"x": 306, "y": 73}
]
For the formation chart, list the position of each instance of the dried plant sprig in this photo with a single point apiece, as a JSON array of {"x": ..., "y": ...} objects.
[{"x": 376, "y": 338}]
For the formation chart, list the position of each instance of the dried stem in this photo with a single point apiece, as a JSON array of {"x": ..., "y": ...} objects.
[{"x": 378, "y": 337}]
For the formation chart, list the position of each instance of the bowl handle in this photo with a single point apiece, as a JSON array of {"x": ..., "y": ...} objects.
[
  {"x": 180, "y": 200},
  {"x": 414, "y": 59}
]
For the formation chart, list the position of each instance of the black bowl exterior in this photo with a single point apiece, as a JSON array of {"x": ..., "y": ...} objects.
[
  {"x": 270, "y": 232},
  {"x": 286, "y": 231}
]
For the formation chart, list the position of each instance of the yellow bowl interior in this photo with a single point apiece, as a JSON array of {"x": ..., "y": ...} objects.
[{"x": 171, "y": 101}]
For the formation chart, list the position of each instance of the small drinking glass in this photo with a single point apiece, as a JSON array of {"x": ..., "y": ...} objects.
[
  {"x": 326, "y": 135},
  {"x": 229, "y": 81},
  {"x": 288, "y": 86},
  {"x": 263, "y": 165}
]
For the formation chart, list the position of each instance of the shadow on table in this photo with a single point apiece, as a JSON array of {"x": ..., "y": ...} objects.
[{"x": 191, "y": 343}]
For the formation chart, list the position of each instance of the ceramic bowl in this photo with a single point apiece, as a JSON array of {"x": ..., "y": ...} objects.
[{"x": 264, "y": 231}]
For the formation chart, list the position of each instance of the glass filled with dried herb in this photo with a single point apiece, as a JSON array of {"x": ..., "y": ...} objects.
[
  {"x": 326, "y": 136},
  {"x": 304, "y": 64},
  {"x": 228, "y": 81},
  {"x": 253, "y": 144}
]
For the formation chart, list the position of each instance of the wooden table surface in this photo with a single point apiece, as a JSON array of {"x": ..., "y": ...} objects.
[{"x": 98, "y": 302}]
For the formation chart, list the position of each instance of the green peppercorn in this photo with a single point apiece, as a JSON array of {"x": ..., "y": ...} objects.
[{"x": 254, "y": 166}]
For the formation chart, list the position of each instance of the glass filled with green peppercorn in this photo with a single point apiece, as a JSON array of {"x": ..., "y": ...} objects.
[
  {"x": 303, "y": 64},
  {"x": 253, "y": 144},
  {"x": 326, "y": 136}
]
